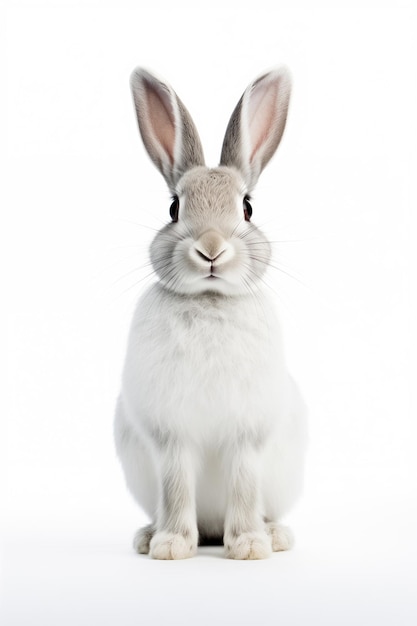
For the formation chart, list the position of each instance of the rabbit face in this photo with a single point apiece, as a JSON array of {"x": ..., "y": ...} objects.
[{"x": 212, "y": 247}]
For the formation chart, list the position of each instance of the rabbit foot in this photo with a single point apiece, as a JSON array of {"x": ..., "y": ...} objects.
[
  {"x": 281, "y": 536},
  {"x": 142, "y": 539},
  {"x": 255, "y": 545},
  {"x": 172, "y": 546}
]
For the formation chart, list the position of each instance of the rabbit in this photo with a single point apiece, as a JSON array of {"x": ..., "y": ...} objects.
[{"x": 210, "y": 428}]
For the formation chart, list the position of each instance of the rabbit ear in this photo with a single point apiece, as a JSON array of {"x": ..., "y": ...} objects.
[
  {"x": 256, "y": 126},
  {"x": 167, "y": 129}
]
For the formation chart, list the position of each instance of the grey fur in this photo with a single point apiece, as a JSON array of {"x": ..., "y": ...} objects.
[
  {"x": 233, "y": 152},
  {"x": 231, "y": 149},
  {"x": 191, "y": 153}
]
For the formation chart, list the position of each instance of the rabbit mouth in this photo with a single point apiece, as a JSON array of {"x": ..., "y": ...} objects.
[{"x": 214, "y": 276}]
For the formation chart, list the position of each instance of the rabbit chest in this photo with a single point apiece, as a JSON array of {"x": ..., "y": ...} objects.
[{"x": 208, "y": 367}]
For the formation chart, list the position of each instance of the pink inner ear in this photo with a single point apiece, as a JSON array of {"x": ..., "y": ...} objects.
[
  {"x": 262, "y": 111},
  {"x": 161, "y": 119}
]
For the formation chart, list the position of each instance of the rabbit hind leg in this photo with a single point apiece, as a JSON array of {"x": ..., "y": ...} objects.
[
  {"x": 142, "y": 539},
  {"x": 281, "y": 536}
]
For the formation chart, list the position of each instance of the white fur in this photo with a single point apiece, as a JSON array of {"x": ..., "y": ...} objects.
[{"x": 210, "y": 428}]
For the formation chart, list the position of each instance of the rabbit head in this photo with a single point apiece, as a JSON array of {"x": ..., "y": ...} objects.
[{"x": 211, "y": 245}]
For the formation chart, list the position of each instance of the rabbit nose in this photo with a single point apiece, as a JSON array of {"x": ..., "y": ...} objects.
[
  {"x": 210, "y": 246},
  {"x": 204, "y": 257}
]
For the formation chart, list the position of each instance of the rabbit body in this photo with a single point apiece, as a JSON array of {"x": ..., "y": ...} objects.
[{"x": 210, "y": 427}]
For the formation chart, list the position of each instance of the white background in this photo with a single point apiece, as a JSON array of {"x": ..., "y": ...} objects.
[{"x": 80, "y": 202}]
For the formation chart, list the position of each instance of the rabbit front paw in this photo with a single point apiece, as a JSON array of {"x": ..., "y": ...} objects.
[
  {"x": 248, "y": 546},
  {"x": 172, "y": 546}
]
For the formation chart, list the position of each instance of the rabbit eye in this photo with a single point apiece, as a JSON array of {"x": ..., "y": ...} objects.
[
  {"x": 174, "y": 209},
  {"x": 247, "y": 208}
]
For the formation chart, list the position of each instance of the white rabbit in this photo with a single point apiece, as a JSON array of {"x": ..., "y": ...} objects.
[{"x": 210, "y": 428}]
